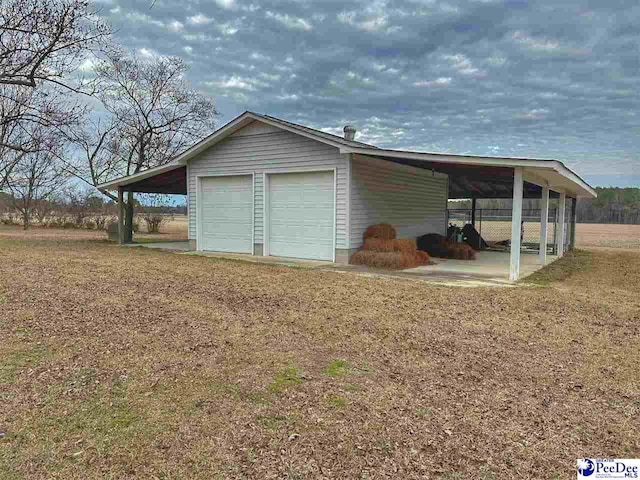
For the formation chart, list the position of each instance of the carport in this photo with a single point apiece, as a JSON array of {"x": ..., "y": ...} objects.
[
  {"x": 168, "y": 179},
  {"x": 475, "y": 178}
]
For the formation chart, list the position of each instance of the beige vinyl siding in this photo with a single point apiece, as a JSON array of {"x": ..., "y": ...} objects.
[
  {"x": 259, "y": 148},
  {"x": 411, "y": 199}
]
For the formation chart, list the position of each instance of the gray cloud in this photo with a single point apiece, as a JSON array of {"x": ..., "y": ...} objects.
[{"x": 502, "y": 77}]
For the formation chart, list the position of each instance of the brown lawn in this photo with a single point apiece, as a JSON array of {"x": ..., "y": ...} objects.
[{"x": 134, "y": 363}]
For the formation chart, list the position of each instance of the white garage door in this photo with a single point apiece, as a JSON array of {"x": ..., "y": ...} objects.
[
  {"x": 301, "y": 215},
  {"x": 226, "y": 214}
]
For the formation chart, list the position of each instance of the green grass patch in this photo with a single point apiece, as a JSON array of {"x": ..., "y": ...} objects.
[
  {"x": 257, "y": 398},
  {"x": 12, "y": 362},
  {"x": 225, "y": 389},
  {"x": 273, "y": 422},
  {"x": 575, "y": 261},
  {"x": 336, "y": 401},
  {"x": 288, "y": 377},
  {"x": 337, "y": 368}
]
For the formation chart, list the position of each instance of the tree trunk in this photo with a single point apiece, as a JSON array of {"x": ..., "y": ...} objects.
[
  {"x": 26, "y": 220},
  {"x": 128, "y": 223}
]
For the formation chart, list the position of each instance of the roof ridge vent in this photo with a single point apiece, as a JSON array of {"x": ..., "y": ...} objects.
[{"x": 349, "y": 132}]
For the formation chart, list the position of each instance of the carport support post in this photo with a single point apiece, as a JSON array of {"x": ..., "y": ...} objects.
[
  {"x": 562, "y": 203},
  {"x": 473, "y": 212},
  {"x": 121, "y": 215},
  {"x": 516, "y": 220},
  {"x": 544, "y": 224},
  {"x": 574, "y": 218}
]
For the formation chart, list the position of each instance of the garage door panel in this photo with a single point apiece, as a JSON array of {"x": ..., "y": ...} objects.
[
  {"x": 301, "y": 215},
  {"x": 227, "y": 213}
]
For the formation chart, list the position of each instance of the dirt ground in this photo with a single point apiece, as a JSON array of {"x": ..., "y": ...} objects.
[{"x": 135, "y": 363}]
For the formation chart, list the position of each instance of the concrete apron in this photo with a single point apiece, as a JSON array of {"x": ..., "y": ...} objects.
[
  {"x": 459, "y": 278},
  {"x": 487, "y": 271}
]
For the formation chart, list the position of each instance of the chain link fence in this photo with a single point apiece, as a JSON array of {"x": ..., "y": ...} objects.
[{"x": 494, "y": 226}]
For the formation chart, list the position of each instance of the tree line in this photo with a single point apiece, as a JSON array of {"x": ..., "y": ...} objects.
[
  {"x": 613, "y": 205},
  {"x": 76, "y": 108},
  {"x": 73, "y": 207}
]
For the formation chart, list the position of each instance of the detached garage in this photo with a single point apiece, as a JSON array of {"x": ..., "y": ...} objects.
[{"x": 261, "y": 185}]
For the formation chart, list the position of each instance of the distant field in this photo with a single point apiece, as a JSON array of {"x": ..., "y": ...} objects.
[
  {"x": 606, "y": 235},
  {"x": 587, "y": 234}
]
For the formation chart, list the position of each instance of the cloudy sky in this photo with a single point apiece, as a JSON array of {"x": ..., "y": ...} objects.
[{"x": 539, "y": 78}]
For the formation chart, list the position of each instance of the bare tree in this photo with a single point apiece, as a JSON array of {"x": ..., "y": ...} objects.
[
  {"x": 45, "y": 40},
  {"x": 156, "y": 112},
  {"x": 28, "y": 120},
  {"x": 35, "y": 179},
  {"x": 97, "y": 157}
]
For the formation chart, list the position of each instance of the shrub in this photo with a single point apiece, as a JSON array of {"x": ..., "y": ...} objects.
[
  {"x": 153, "y": 222},
  {"x": 67, "y": 225},
  {"x": 101, "y": 221},
  {"x": 89, "y": 224}
]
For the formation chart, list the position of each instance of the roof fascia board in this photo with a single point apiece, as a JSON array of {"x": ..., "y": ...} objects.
[
  {"x": 217, "y": 136},
  {"x": 238, "y": 123},
  {"x": 152, "y": 172},
  {"x": 297, "y": 131},
  {"x": 554, "y": 165},
  {"x": 566, "y": 172}
]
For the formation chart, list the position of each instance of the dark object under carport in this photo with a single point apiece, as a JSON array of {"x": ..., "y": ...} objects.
[
  {"x": 434, "y": 244},
  {"x": 473, "y": 238}
]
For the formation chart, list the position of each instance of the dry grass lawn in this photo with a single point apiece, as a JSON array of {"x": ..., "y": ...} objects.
[{"x": 134, "y": 363}]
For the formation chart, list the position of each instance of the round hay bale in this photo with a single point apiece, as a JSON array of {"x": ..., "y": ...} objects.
[
  {"x": 434, "y": 244},
  {"x": 383, "y": 231}
]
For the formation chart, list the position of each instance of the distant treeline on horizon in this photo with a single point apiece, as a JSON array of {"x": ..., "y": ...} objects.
[{"x": 613, "y": 205}]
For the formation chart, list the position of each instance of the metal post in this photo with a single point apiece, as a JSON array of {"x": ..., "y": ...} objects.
[
  {"x": 121, "y": 216},
  {"x": 544, "y": 227},
  {"x": 473, "y": 212},
  {"x": 574, "y": 217},
  {"x": 562, "y": 202},
  {"x": 516, "y": 219},
  {"x": 480, "y": 232}
]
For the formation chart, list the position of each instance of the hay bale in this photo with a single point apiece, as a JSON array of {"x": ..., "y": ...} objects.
[
  {"x": 384, "y": 260},
  {"x": 422, "y": 258},
  {"x": 378, "y": 245},
  {"x": 405, "y": 245},
  {"x": 383, "y": 231},
  {"x": 461, "y": 251},
  {"x": 397, "y": 245}
]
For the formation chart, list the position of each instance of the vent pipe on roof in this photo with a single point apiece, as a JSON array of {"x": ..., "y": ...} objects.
[{"x": 349, "y": 132}]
